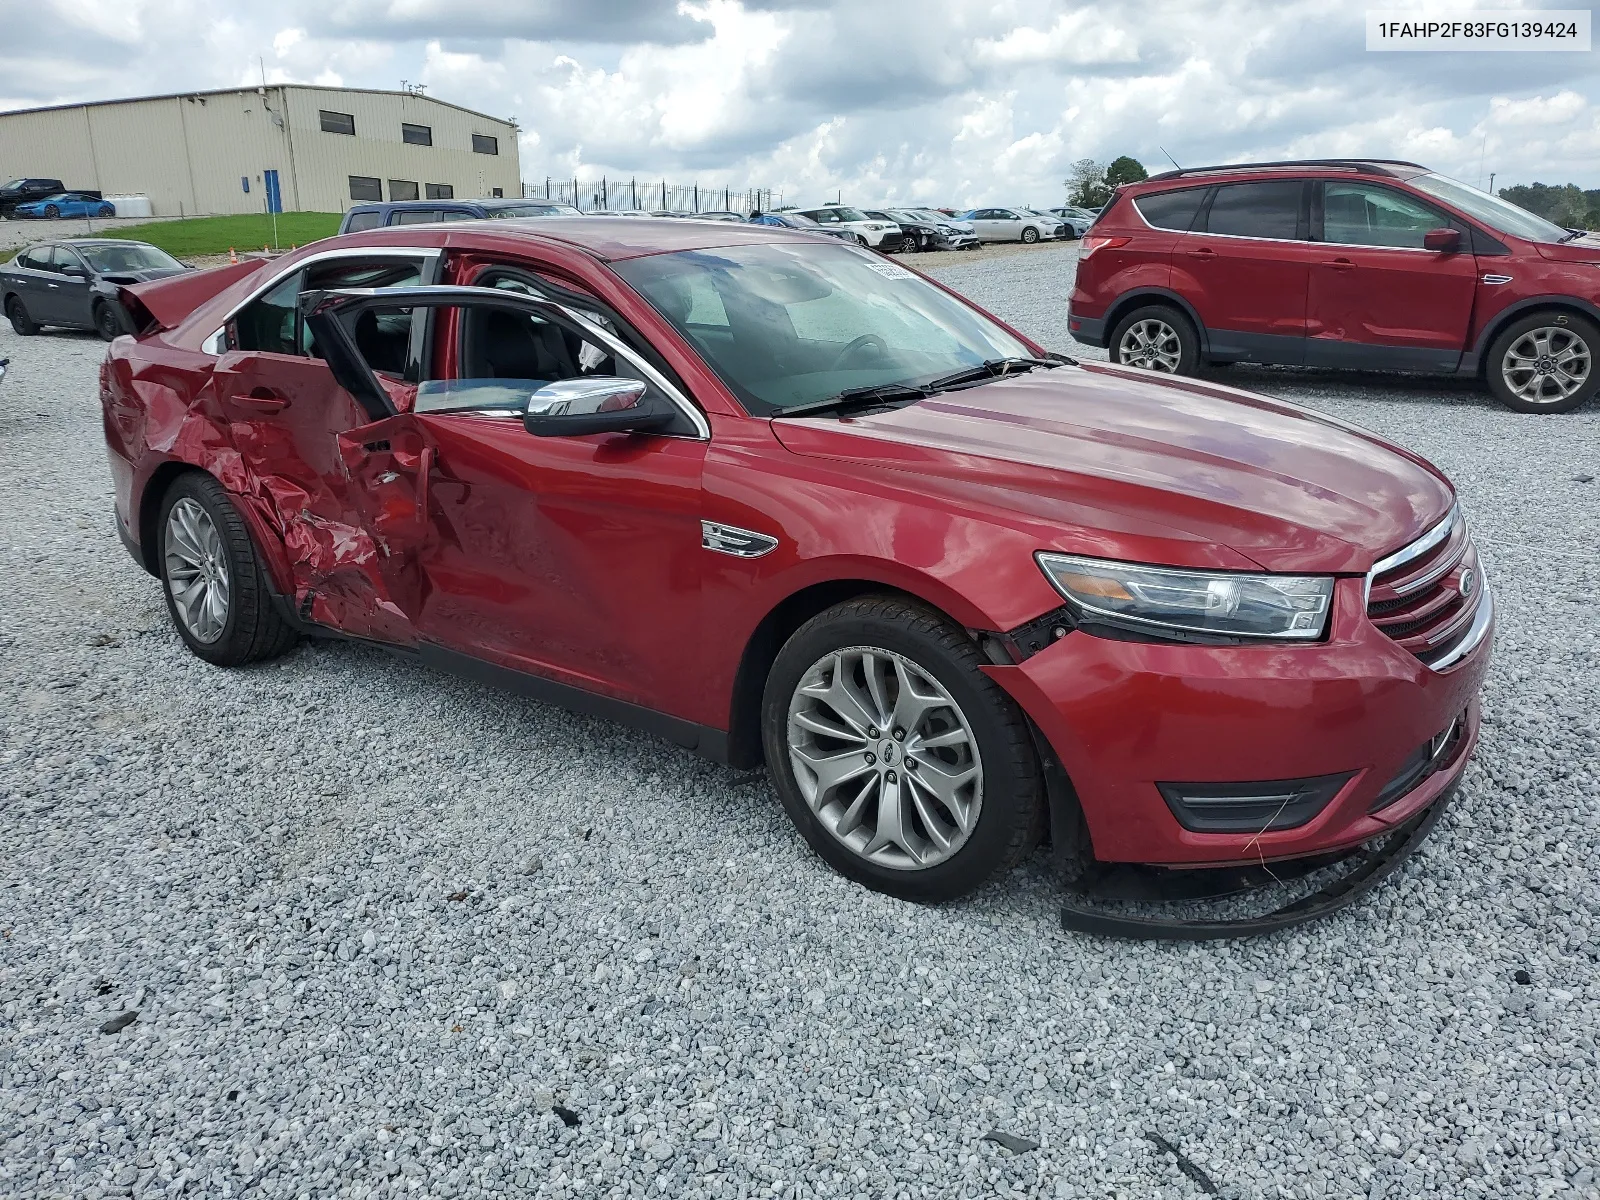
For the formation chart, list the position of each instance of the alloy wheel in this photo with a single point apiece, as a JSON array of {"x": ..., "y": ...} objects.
[
  {"x": 1547, "y": 365},
  {"x": 197, "y": 570},
  {"x": 885, "y": 758},
  {"x": 1151, "y": 344}
]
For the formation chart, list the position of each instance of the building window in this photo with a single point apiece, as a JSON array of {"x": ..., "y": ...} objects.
[
  {"x": 364, "y": 187},
  {"x": 439, "y": 191},
  {"x": 416, "y": 135},
  {"x": 497, "y": 193},
  {"x": 402, "y": 189},
  {"x": 335, "y": 122},
  {"x": 482, "y": 143}
]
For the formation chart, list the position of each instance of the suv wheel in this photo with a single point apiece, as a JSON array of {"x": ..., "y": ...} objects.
[
  {"x": 902, "y": 764},
  {"x": 1544, "y": 363},
  {"x": 1157, "y": 338},
  {"x": 216, "y": 585},
  {"x": 1030, "y": 235}
]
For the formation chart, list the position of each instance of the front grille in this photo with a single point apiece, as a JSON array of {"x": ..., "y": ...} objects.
[{"x": 1427, "y": 595}]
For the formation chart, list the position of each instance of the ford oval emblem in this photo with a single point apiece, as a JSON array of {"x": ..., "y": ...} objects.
[{"x": 1469, "y": 583}]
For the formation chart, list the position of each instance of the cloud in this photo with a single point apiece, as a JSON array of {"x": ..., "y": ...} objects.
[{"x": 945, "y": 101}]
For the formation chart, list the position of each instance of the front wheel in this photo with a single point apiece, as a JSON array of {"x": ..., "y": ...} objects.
[
  {"x": 52, "y": 211},
  {"x": 106, "y": 323},
  {"x": 21, "y": 322},
  {"x": 216, "y": 585},
  {"x": 1156, "y": 338},
  {"x": 903, "y": 765},
  {"x": 1544, "y": 363},
  {"x": 1030, "y": 235}
]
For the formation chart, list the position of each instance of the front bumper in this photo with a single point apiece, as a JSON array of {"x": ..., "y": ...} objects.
[{"x": 1125, "y": 717}]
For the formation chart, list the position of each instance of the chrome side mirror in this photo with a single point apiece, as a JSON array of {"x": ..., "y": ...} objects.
[{"x": 594, "y": 404}]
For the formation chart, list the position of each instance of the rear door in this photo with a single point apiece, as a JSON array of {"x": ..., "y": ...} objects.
[
  {"x": 286, "y": 413},
  {"x": 1247, "y": 269},
  {"x": 29, "y": 275},
  {"x": 1377, "y": 297}
]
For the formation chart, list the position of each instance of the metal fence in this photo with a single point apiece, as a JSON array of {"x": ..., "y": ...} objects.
[{"x": 651, "y": 194}]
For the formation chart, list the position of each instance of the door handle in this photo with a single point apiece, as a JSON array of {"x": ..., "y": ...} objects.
[
  {"x": 264, "y": 400},
  {"x": 1340, "y": 264},
  {"x": 1203, "y": 252}
]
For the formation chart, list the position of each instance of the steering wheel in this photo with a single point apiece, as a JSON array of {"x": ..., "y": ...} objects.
[{"x": 866, "y": 339}]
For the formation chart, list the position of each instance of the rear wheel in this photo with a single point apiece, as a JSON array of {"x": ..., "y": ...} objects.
[
  {"x": 903, "y": 765},
  {"x": 1156, "y": 338},
  {"x": 216, "y": 585},
  {"x": 1030, "y": 235},
  {"x": 106, "y": 210},
  {"x": 17, "y": 314},
  {"x": 1544, "y": 363}
]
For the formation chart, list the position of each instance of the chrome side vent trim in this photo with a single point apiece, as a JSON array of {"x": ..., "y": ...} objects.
[{"x": 730, "y": 539}]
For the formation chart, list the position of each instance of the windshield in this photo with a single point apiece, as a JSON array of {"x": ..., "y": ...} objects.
[
  {"x": 1499, "y": 215},
  {"x": 847, "y": 214},
  {"x": 530, "y": 210},
  {"x": 116, "y": 257},
  {"x": 9, "y": 184},
  {"x": 791, "y": 325}
]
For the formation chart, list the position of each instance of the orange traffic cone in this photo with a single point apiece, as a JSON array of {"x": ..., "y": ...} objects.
[{"x": 232, "y": 257}]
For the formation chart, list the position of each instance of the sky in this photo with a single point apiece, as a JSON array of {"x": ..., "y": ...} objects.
[{"x": 949, "y": 102}]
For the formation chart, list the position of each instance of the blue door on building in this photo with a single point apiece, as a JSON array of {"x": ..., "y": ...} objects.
[{"x": 274, "y": 195}]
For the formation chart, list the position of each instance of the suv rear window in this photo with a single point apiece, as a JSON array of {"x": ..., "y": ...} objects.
[
  {"x": 364, "y": 220},
  {"x": 1270, "y": 209},
  {"x": 1171, "y": 210}
]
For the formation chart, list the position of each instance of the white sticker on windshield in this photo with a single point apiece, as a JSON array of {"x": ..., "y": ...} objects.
[{"x": 890, "y": 271}]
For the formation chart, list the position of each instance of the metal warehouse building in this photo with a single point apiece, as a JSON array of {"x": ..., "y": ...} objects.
[{"x": 289, "y": 147}]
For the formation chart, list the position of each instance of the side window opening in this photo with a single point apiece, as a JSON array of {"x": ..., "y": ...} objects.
[{"x": 272, "y": 324}]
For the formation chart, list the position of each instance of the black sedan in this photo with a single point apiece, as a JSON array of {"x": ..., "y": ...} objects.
[{"x": 73, "y": 284}]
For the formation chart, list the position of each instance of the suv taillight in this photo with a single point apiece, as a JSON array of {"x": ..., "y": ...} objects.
[{"x": 1093, "y": 242}]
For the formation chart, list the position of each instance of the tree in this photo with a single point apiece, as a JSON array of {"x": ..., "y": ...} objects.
[
  {"x": 1566, "y": 204},
  {"x": 1125, "y": 170},
  {"x": 1086, "y": 184}
]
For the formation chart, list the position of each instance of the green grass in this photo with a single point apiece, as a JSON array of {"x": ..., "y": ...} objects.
[{"x": 214, "y": 235}]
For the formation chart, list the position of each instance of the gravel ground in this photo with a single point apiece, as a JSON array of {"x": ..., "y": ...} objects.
[
  {"x": 16, "y": 234},
  {"x": 386, "y": 932}
]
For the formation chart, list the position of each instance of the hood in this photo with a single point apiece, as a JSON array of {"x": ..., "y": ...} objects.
[
  {"x": 1178, "y": 468},
  {"x": 142, "y": 276},
  {"x": 164, "y": 303},
  {"x": 1585, "y": 249}
]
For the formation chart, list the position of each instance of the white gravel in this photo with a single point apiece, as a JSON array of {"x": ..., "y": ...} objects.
[{"x": 377, "y": 923}]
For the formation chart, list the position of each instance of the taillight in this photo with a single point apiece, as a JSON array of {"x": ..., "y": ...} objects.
[{"x": 1093, "y": 242}]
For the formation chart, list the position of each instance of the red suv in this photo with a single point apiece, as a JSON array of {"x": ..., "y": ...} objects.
[
  {"x": 776, "y": 499},
  {"x": 1372, "y": 264}
]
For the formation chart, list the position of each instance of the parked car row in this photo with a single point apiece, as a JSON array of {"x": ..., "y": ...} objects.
[{"x": 49, "y": 198}]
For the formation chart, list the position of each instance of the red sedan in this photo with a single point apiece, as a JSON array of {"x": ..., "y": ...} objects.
[{"x": 778, "y": 499}]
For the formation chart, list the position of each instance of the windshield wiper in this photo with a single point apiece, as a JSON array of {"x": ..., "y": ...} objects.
[
  {"x": 857, "y": 398},
  {"x": 993, "y": 368}
]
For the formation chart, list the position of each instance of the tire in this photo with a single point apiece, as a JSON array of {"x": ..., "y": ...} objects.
[
  {"x": 1544, "y": 363},
  {"x": 52, "y": 211},
  {"x": 106, "y": 210},
  {"x": 249, "y": 628},
  {"x": 17, "y": 314},
  {"x": 1002, "y": 803},
  {"x": 1030, "y": 235},
  {"x": 106, "y": 322},
  {"x": 1158, "y": 338},
  {"x": 862, "y": 241}
]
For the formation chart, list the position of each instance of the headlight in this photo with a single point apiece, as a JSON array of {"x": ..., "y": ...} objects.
[{"x": 1218, "y": 604}]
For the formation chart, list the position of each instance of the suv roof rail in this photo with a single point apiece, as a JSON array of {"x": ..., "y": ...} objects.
[{"x": 1366, "y": 166}]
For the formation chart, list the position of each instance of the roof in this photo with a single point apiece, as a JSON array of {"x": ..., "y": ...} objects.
[
  {"x": 610, "y": 239},
  {"x": 234, "y": 91},
  {"x": 1364, "y": 166}
]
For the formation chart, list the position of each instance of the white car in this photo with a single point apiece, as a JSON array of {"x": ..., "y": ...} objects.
[
  {"x": 879, "y": 235},
  {"x": 1012, "y": 225}
]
